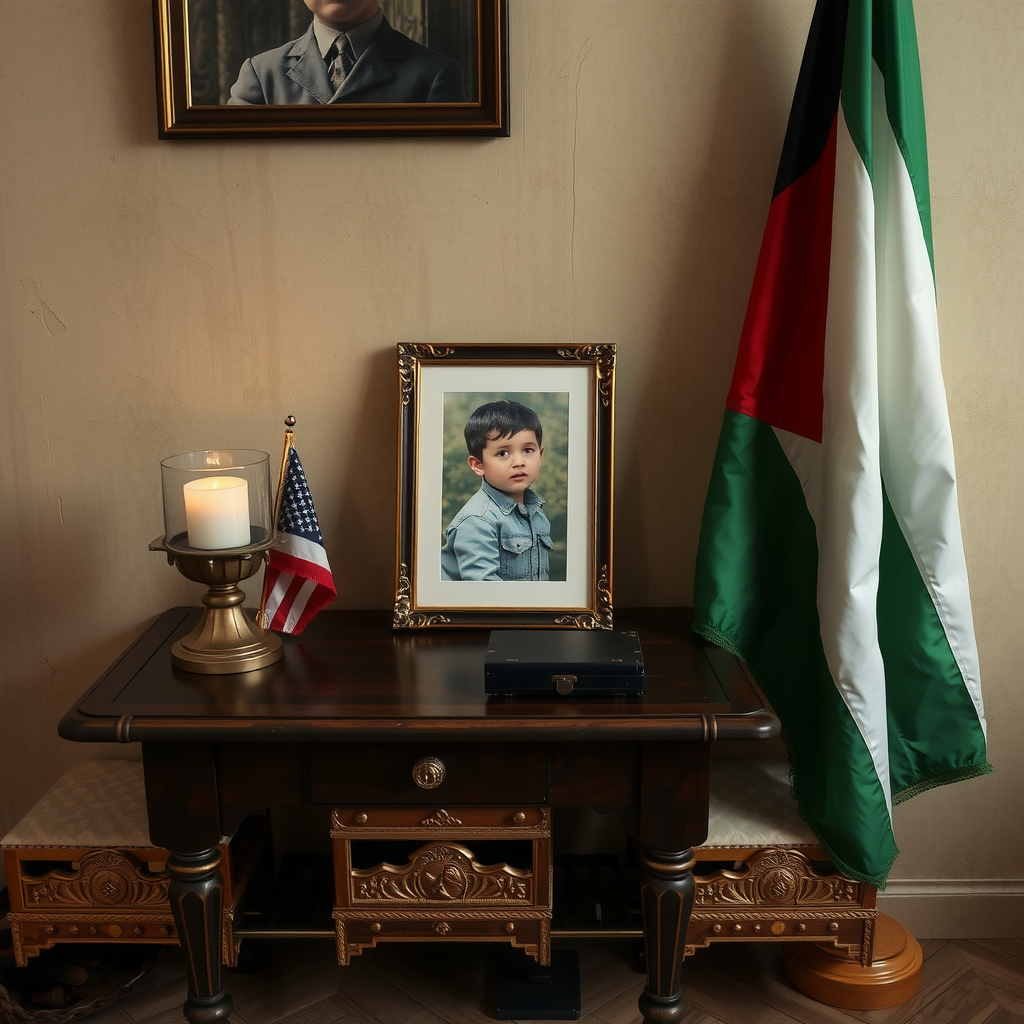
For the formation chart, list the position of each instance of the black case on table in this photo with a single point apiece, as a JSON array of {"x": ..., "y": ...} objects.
[{"x": 563, "y": 663}]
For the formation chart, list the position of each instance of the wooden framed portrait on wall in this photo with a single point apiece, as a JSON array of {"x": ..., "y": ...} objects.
[
  {"x": 505, "y": 486},
  {"x": 262, "y": 68}
]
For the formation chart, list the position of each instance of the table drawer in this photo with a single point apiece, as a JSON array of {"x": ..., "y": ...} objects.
[{"x": 429, "y": 773}]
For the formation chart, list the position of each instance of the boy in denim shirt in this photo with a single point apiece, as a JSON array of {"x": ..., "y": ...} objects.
[{"x": 501, "y": 532}]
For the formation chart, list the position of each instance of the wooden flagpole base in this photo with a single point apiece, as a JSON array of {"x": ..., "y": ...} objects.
[{"x": 827, "y": 974}]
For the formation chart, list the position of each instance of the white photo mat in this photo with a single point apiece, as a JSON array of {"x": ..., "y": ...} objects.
[{"x": 434, "y": 593}]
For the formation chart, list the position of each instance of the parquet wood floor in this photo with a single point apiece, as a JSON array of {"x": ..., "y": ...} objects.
[{"x": 963, "y": 982}]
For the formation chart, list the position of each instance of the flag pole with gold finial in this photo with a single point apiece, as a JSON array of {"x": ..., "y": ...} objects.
[{"x": 289, "y": 442}]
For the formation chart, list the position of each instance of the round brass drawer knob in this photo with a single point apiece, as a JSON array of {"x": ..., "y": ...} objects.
[{"x": 428, "y": 773}]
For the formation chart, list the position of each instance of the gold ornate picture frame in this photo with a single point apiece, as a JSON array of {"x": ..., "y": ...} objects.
[
  {"x": 571, "y": 390},
  {"x": 203, "y": 45}
]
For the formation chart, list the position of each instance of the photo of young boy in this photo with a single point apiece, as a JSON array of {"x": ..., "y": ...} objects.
[{"x": 501, "y": 532}]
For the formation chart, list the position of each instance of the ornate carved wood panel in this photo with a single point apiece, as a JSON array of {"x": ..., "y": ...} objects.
[
  {"x": 440, "y": 887},
  {"x": 776, "y": 893},
  {"x": 115, "y": 895}
]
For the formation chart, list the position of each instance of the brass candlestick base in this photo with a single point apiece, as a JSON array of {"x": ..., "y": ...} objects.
[{"x": 227, "y": 639}]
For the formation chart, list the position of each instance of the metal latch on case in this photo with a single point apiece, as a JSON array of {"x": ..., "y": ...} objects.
[{"x": 564, "y": 684}]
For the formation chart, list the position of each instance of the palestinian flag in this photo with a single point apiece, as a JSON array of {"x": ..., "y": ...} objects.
[{"x": 830, "y": 555}]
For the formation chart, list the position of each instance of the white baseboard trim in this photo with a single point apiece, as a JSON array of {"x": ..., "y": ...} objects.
[{"x": 937, "y": 908}]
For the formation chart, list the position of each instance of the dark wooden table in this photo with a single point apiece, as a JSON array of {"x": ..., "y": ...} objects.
[{"x": 353, "y": 704}]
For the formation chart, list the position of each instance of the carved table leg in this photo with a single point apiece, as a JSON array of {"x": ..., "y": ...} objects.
[
  {"x": 197, "y": 899},
  {"x": 666, "y": 895}
]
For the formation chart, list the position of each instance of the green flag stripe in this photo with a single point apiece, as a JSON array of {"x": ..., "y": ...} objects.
[
  {"x": 763, "y": 542},
  {"x": 934, "y": 732},
  {"x": 894, "y": 46},
  {"x": 889, "y": 25},
  {"x": 935, "y": 736},
  {"x": 855, "y": 94}
]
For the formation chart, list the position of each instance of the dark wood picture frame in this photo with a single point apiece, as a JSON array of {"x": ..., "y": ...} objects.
[
  {"x": 433, "y": 379},
  {"x": 179, "y": 117}
]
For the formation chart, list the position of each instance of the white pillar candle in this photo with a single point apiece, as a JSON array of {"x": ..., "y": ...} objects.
[{"x": 217, "y": 512}]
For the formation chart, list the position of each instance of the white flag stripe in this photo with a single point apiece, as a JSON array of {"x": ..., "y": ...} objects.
[
  {"x": 916, "y": 441},
  {"x": 275, "y": 598},
  {"x": 299, "y": 547},
  {"x": 841, "y": 477},
  {"x": 298, "y": 604},
  {"x": 850, "y": 534}
]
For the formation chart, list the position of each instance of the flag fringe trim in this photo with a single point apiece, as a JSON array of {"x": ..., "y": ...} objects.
[
  {"x": 878, "y": 880},
  {"x": 311, "y": 611},
  {"x": 322, "y": 595},
  {"x": 971, "y": 771},
  {"x": 714, "y": 635},
  {"x": 288, "y": 563}
]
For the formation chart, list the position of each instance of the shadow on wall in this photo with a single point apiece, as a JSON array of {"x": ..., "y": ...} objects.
[
  {"x": 365, "y": 482},
  {"x": 718, "y": 233}
]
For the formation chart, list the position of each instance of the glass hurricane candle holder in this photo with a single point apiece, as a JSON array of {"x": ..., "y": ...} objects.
[
  {"x": 218, "y": 527},
  {"x": 217, "y": 500}
]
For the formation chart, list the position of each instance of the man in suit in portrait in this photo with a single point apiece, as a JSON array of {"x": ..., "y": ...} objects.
[{"x": 349, "y": 54}]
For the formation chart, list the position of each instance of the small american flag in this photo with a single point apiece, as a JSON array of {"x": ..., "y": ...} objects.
[{"x": 298, "y": 580}]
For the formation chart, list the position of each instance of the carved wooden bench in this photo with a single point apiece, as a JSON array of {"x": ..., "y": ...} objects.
[
  {"x": 762, "y": 876},
  {"x": 80, "y": 866}
]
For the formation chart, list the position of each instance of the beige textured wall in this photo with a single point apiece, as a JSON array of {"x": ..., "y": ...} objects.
[{"x": 158, "y": 297}]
